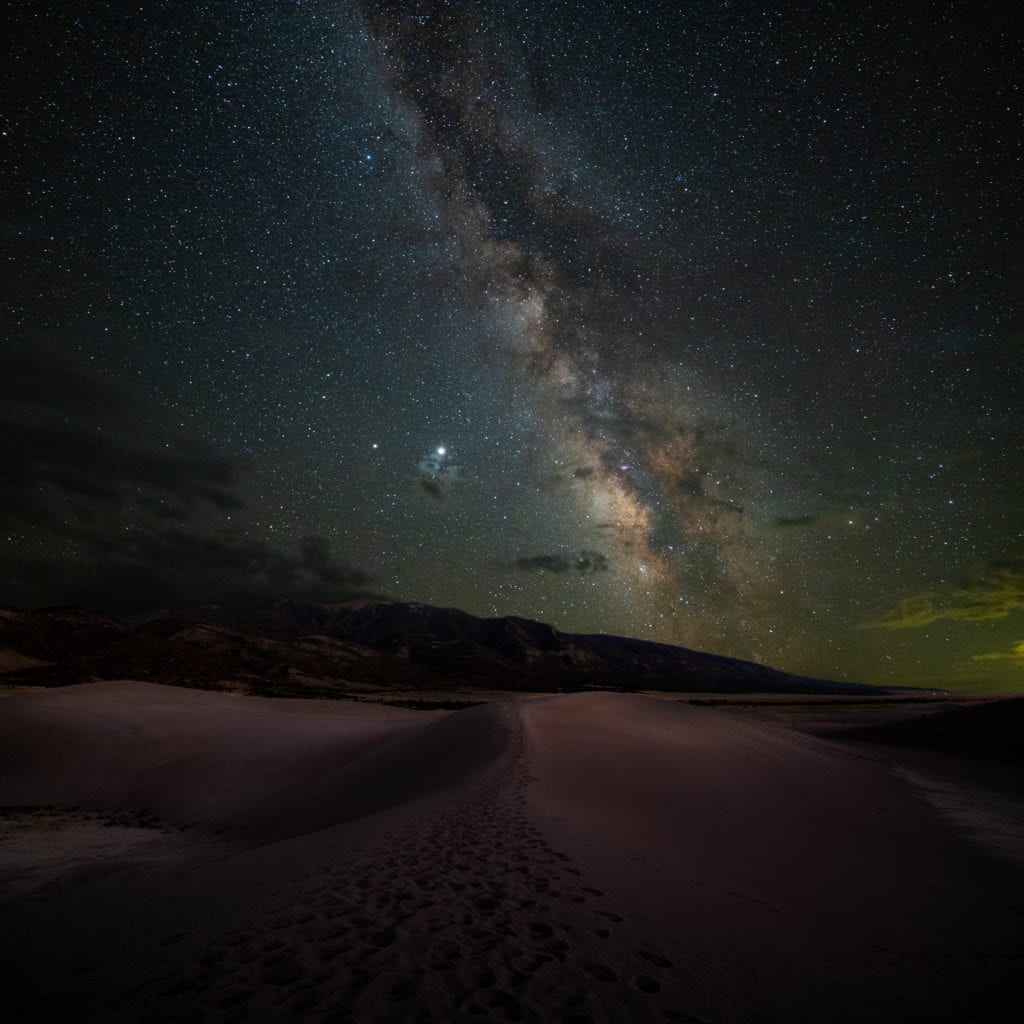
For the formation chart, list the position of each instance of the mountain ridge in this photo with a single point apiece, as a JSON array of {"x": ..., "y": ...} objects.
[{"x": 296, "y": 648}]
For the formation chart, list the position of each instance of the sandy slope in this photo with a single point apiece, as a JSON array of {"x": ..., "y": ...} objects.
[{"x": 583, "y": 858}]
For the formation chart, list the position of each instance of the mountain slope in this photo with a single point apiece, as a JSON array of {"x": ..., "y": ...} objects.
[{"x": 295, "y": 648}]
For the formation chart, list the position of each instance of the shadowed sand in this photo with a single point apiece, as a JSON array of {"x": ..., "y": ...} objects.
[{"x": 591, "y": 857}]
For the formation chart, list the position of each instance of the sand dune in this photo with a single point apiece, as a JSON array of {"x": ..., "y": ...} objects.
[
  {"x": 215, "y": 759},
  {"x": 994, "y": 729},
  {"x": 592, "y": 857}
]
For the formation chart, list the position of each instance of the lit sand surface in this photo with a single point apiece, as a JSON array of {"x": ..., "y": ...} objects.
[{"x": 584, "y": 858}]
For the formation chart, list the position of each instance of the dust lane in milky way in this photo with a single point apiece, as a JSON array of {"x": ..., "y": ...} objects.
[{"x": 563, "y": 284}]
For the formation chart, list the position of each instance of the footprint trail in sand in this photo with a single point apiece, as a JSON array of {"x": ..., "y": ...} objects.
[
  {"x": 588, "y": 858},
  {"x": 467, "y": 913}
]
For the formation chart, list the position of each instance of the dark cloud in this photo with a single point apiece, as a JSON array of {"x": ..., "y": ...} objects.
[
  {"x": 174, "y": 567},
  {"x": 795, "y": 520},
  {"x": 433, "y": 489},
  {"x": 105, "y": 503},
  {"x": 583, "y": 472},
  {"x": 591, "y": 561},
  {"x": 694, "y": 485},
  {"x": 72, "y": 438},
  {"x": 543, "y": 563},
  {"x": 319, "y": 565},
  {"x": 586, "y": 561},
  {"x": 42, "y": 375},
  {"x": 989, "y": 591}
]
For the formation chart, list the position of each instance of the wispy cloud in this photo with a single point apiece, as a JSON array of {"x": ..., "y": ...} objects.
[
  {"x": 1016, "y": 655},
  {"x": 990, "y": 591}
]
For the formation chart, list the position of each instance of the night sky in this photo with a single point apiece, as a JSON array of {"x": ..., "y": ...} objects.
[{"x": 700, "y": 322}]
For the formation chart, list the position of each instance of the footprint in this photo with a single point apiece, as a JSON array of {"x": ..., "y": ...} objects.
[
  {"x": 210, "y": 957},
  {"x": 305, "y": 1001},
  {"x": 232, "y": 996},
  {"x": 501, "y": 999},
  {"x": 646, "y": 984},
  {"x": 654, "y": 958},
  {"x": 476, "y": 975},
  {"x": 176, "y": 985},
  {"x": 529, "y": 963},
  {"x": 599, "y": 971},
  {"x": 280, "y": 974}
]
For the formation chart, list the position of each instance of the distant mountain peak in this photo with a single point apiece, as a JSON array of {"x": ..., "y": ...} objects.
[{"x": 299, "y": 647}]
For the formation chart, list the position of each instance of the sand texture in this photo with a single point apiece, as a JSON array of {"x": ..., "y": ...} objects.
[{"x": 175, "y": 855}]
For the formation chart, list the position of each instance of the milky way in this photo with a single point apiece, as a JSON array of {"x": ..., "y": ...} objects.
[
  {"x": 696, "y": 323},
  {"x": 560, "y": 281}
]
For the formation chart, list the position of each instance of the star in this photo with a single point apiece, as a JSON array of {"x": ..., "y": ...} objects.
[{"x": 653, "y": 376}]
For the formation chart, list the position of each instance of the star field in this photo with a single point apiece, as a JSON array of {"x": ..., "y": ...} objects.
[{"x": 701, "y": 323}]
